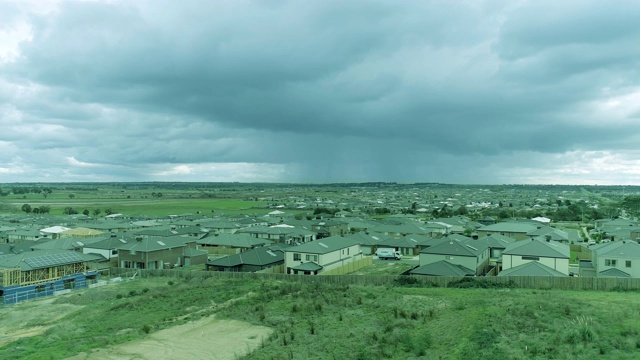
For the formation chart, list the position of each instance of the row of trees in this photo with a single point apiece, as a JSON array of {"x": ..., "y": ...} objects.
[{"x": 44, "y": 209}]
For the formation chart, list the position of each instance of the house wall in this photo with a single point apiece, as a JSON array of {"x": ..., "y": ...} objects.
[
  {"x": 154, "y": 259},
  {"x": 634, "y": 270},
  {"x": 560, "y": 264},
  {"x": 338, "y": 258}
]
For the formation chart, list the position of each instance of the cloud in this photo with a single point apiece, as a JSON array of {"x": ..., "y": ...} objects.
[{"x": 320, "y": 91}]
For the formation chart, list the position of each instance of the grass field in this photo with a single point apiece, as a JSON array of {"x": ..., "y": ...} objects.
[
  {"x": 134, "y": 206},
  {"x": 317, "y": 321}
]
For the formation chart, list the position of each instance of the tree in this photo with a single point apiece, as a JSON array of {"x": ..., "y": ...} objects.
[
  {"x": 69, "y": 211},
  {"x": 96, "y": 212},
  {"x": 462, "y": 210},
  {"x": 108, "y": 211},
  {"x": 71, "y": 196},
  {"x": 26, "y": 208},
  {"x": 44, "y": 209},
  {"x": 86, "y": 212}
]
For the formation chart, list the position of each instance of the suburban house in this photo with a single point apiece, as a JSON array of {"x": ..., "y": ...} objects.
[
  {"x": 321, "y": 255},
  {"x": 158, "y": 253},
  {"x": 409, "y": 245},
  {"x": 54, "y": 231},
  {"x": 27, "y": 235},
  {"x": 618, "y": 258},
  {"x": 550, "y": 253},
  {"x": 514, "y": 229},
  {"x": 33, "y": 274},
  {"x": 467, "y": 253},
  {"x": 249, "y": 261},
  {"x": 230, "y": 243},
  {"x": 280, "y": 234},
  {"x": 496, "y": 244},
  {"x": 368, "y": 241},
  {"x": 331, "y": 227}
]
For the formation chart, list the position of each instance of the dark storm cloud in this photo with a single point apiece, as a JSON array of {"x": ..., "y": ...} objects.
[{"x": 375, "y": 90}]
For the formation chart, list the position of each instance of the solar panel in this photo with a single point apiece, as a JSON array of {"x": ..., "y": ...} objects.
[
  {"x": 271, "y": 253},
  {"x": 161, "y": 243},
  {"x": 4, "y": 256},
  {"x": 323, "y": 245},
  {"x": 123, "y": 241},
  {"x": 471, "y": 247},
  {"x": 53, "y": 260}
]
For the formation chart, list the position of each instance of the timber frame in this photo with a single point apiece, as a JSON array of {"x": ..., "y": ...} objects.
[{"x": 16, "y": 277}]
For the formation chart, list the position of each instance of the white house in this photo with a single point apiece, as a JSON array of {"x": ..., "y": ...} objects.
[
  {"x": 321, "y": 255},
  {"x": 617, "y": 259},
  {"x": 550, "y": 253}
]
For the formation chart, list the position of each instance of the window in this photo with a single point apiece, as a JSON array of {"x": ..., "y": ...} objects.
[
  {"x": 627, "y": 263},
  {"x": 610, "y": 262},
  {"x": 40, "y": 288},
  {"x": 312, "y": 257},
  {"x": 534, "y": 258},
  {"x": 296, "y": 257}
]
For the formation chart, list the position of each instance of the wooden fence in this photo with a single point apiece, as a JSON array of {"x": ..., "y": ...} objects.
[
  {"x": 278, "y": 269},
  {"x": 349, "y": 267},
  {"x": 525, "y": 282}
]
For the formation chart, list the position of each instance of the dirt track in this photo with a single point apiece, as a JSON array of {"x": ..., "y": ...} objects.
[{"x": 208, "y": 338}]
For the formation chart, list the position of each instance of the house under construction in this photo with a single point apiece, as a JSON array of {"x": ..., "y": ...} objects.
[{"x": 34, "y": 274}]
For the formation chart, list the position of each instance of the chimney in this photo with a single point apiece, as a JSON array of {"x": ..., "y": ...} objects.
[
  {"x": 548, "y": 238},
  {"x": 139, "y": 238},
  {"x": 113, "y": 235}
]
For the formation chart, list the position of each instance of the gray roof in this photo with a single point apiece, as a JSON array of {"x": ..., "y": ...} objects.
[
  {"x": 308, "y": 266},
  {"x": 367, "y": 239},
  {"x": 627, "y": 249},
  {"x": 68, "y": 243},
  {"x": 443, "y": 268},
  {"x": 324, "y": 245},
  {"x": 40, "y": 259},
  {"x": 613, "y": 272},
  {"x": 532, "y": 268},
  {"x": 538, "y": 247},
  {"x": 458, "y": 247},
  {"x": 512, "y": 227},
  {"x": 259, "y": 256},
  {"x": 233, "y": 240},
  {"x": 497, "y": 241},
  {"x": 151, "y": 244}
]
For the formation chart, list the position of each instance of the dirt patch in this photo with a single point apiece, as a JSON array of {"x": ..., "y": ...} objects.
[
  {"x": 31, "y": 318},
  {"x": 208, "y": 338}
]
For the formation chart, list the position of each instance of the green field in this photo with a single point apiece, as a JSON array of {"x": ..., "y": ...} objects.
[{"x": 318, "y": 321}]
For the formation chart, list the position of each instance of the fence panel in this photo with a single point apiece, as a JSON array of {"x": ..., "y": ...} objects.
[{"x": 525, "y": 282}]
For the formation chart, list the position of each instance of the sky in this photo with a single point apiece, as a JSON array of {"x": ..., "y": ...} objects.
[{"x": 465, "y": 92}]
